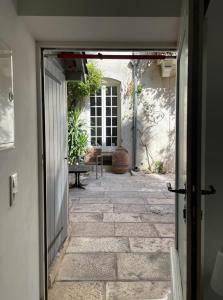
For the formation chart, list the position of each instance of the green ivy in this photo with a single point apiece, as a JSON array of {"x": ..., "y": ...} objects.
[
  {"x": 159, "y": 167},
  {"x": 77, "y": 90}
]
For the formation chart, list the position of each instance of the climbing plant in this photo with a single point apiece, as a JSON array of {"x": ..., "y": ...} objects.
[{"x": 77, "y": 90}]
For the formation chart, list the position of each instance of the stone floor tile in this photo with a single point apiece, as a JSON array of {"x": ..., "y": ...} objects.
[
  {"x": 87, "y": 194},
  {"x": 128, "y": 201},
  {"x": 136, "y": 290},
  {"x": 92, "y": 207},
  {"x": 74, "y": 200},
  {"x": 96, "y": 200},
  {"x": 151, "y": 244},
  {"x": 129, "y": 208},
  {"x": 135, "y": 229},
  {"x": 169, "y": 195},
  {"x": 157, "y": 218},
  {"x": 160, "y": 209},
  {"x": 155, "y": 194},
  {"x": 156, "y": 201},
  {"x": 77, "y": 291},
  {"x": 95, "y": 244},
  {"x": 92, "y": 229},
  {"x": 85, "y": 217},
  {"x": 121, "y": 217},
  {"x": 165, "y": 230},
  {"x": 97, "y": 227},
  {"x": 97, "y": 266},
  {"x": 121, "y": 194},
  {"x": 143, "y": 266}
]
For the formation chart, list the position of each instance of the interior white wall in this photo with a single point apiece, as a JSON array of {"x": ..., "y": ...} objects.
[
  {"x": 213, "y": 238},
  {"x": 152, "y": 32},
  {"x": 19, "y": 249}
]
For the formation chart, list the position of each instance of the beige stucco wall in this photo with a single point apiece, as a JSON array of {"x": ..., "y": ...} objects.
[
  {"x": 155, "y": 140},
  {"x": 19, "y": 246}
]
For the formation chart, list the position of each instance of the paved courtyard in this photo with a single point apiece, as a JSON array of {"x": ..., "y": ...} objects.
[{"x": 122, "y": 228}]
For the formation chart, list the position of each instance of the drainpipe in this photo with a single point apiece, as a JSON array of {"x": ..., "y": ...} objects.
[{"x": 135, "y": 106}]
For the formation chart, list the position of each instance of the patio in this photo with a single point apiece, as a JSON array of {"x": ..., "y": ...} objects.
[{"x": 122, "y": 228}]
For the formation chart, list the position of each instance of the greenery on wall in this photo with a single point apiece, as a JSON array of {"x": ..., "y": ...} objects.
[
  {"x": 77, "y": 90},
  {"x": 77, "y": 137},
  {"x": 159, "y": 167}
]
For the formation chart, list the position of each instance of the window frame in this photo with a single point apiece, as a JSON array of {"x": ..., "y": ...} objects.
[{"x": 108, "y": 82}]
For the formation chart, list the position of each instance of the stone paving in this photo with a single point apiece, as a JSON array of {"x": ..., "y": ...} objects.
[{"x": 122, "y": 228}]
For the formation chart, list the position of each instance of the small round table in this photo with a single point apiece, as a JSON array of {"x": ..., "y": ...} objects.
[{"x": 77, "y": 170}]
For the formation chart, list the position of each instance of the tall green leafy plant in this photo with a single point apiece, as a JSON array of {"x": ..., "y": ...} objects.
[{"x": 77, "y": 136}]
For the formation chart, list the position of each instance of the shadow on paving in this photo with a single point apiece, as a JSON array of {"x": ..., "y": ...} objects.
[{"x": 122, "y": 228}]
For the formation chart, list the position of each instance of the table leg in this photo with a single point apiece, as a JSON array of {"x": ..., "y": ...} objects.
[
  {"x": 102, "y": 162},
  {"x": 96, "y": 167},
  {"x": 80, "y": 186}
]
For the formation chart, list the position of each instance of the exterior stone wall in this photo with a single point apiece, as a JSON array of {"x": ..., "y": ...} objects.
[{"x": 155, "y": 113}]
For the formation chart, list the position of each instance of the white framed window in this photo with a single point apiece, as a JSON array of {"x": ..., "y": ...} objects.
[{"x": 105, "y": 116}]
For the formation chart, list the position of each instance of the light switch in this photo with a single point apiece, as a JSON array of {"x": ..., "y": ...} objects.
[{"x": 13, "y": 187}]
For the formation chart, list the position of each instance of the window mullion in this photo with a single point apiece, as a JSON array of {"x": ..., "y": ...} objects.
[{"x": 103, "y": 116}]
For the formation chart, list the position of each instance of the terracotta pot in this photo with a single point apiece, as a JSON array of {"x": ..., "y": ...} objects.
[{"x": 120, "y": 161}]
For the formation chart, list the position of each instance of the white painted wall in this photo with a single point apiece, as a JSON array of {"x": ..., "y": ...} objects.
[
  {"x": 213, "y": 231},
  {"x": 157, "y": 91},
  {"x": 19, "y": 253},
  {"x": 105, "y": 32}
]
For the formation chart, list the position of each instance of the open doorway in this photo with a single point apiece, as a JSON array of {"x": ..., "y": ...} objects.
[{"x": 110, "y": 240}]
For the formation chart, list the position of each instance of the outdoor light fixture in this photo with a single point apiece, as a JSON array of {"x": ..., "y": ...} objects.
[{"x": 217, "y": 275}]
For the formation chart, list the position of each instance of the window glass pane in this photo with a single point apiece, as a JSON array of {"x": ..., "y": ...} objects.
[
  {"x": 108, "y": 141},
  {"x": 114, "y": 90},
  {"x": 114, "y": 111},
  {"x": 108, "y": 131},
  {"x": 114, "y": 131},
  {"x": 114, "y": 141},
  {"x": 92, "y": 101},
  {"x": 98, "y": 111},
  {"x": 98, "y": 101},
  {"x": 98, "y": 92},
  {"x": 92, "y": 111},
  {"x": 99, "y": 131},
  {"x": 108, "y": 101},
  {"x": 108, "y": 90},
  {"x": 93, "y": 122},
  {"x": 93, "y": 141},
  {"x": 114, "y": 121},
  {"x": 108, "y": 121},
  {"x": 99, "y": 121},
  {"x": 108, "y": 111},
  {"x": 93, "y": 131},
  {"x": 99, "y": 141},
  {"x": 114, "y": 101}
]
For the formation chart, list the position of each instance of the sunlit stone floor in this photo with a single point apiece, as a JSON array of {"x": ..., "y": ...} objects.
[{"x": 122, "y": 231}]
